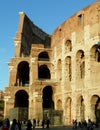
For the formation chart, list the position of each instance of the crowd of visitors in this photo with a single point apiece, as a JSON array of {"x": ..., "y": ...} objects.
[
  {"x": 5, "y": 125},
  {"x": 16, "y": 125},
  {"x": 89, "y": 125},
  {"x": 29, "y": 124}
]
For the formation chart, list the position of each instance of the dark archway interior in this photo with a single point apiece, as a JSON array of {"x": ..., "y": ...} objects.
[
  {"x": 44, "y": 72},
  {"x": 43, "y": 56},
  {"x": 21, "y": 99},
  {"x": 97, "y": 110},
  {"x": 47, "y": 98},
  {"x": 23, "y": 74}
]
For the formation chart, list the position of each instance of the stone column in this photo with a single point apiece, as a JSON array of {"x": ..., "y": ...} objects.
[
  {"x": 87, "y": 107},
  {"x": 33, "y": 70},
  {"x": 74, "y": 106},
  {"x": 93, "y": 117},
  {"x": 38, "y": 110}
]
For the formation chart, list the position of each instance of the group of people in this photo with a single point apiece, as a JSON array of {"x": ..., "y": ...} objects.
[
  {"x": 29, "y": 124},
  {"x": 38, "y": 123},
  {"x": 89, "y": 124},
  {"x": 47, "y": 122},
  {"x": 5, "y": 125}
]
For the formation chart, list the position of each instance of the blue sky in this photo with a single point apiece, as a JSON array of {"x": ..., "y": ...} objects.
[{"x": 46, "y": 14}]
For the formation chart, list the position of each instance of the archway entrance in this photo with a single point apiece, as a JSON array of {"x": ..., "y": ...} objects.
[
  {"x": 47, "y": 104},
  {"x": 55, "y": 116},
  {"x": 20, "y": 110},
  {"x": 47, "y": 98},
  {"x": 95, "y": 108}
]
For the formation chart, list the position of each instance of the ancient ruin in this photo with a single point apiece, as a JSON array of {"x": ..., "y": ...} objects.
[{"x": 56, "y": 76}]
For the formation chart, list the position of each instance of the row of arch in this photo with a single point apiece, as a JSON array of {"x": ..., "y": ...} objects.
[
  {"x": 22, "y": 98},
  {"x": 94, "y": 102},
  {"x": 80, "y": 63},
  {"x": 23, "y": 71},
  {"x": 49, "y": 103}
]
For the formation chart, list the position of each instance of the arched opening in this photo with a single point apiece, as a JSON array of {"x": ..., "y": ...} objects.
[
  {"x": 95, "y": 53},
  {"x": 48, "y": 104},
  {"x": 47, "y": 98},
  {"x": 59, "y": 105},
  {"x": 80, "y": 109},
  {"x": 20, "y": 110},
  {"x": 95, "y": 108},
  {"x": 43, "y": 56},
  {"x": 22, "y": 74},
  {"x": 44, "y": 72},
  {"x": 80, "y": 64},
  {"x": 21, "y": 99},
  {"x": 68, "y": 68},
  {"x": 68, "y": 111},
  {"x": 68, "y": 46}
]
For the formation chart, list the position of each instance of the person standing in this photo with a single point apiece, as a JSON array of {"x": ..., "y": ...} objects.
[
  {"x": 48, "y": 123},
  {"x": 43, "y": 123},
  {"x": 14, "y": 125},
  {"x": 34, "y": 123},
  {"x": 5, "y": 125},
  {"x": 29, "y": 125}
]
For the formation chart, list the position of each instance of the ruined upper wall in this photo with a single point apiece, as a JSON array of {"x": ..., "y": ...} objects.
[
  {"x": 28, "y": 33},
  {"x": 76, "y": 23}
]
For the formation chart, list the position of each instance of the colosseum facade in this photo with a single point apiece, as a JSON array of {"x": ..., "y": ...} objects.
[{"x": 56, "y": 76}]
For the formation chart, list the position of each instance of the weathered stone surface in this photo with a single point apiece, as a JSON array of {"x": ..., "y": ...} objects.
[{"x": 58, "y": 72}]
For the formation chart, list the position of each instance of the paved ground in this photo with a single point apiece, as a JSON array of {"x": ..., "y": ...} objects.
[{"x": 61, "y": 128}]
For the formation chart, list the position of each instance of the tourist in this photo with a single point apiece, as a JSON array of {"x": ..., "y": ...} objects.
[
  {"x": 43, "y": 123},
  {"x": 34, "y": 123},
  {"x": 14, "y": 125},
  {"x": 29, "y": 125},
  {"x": 48, "y": 123}
]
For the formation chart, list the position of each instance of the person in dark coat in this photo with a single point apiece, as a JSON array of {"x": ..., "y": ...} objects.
[
  {"x": 29, "y": 125},
  {"x": 14, "y": 125},
  {"x": 48, "y": 123}
]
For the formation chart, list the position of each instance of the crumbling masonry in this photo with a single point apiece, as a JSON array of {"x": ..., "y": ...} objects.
[{"x": 56, "y": 76}]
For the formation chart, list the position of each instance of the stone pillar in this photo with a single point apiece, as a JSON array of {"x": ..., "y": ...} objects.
[
  {"x": 74, "y": 106},
  {"x": 87, "y": 107},
  {"x": 17, "y": 48},
  {"x": 38, "y": 110},
  {"x": 12, "y": 76},
  {"x": 33, "y": 70},
  {"x": 93, "y": 117}
]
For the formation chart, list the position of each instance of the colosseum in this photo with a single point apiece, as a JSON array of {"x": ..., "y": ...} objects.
[{"x": 56, "y": 76}]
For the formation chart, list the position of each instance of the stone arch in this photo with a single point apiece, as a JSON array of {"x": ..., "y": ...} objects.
[
  {"x": 80, "y": 108},
  {"x": 68, "y": 46},
  {"x": 80, "y": 64},
  {"x": 68, "y": 71},
  {"x": 95, "y": 53},
  {"x": 95, "y": 108},
  {"x": 43, "y": 72},
  {"x": 48, "y": 102},
  {"x": 68, "y": 111},
  {"x": 21, "y": 99},
  {"x": 21, "y": 105},
  {"x": 43, "y": 56},
  {"x": 59, "y": 69},
  {"x": 22, "y": 78},
  {"x": 59, "y": 104},
  {"x": 94, "y": 64}
]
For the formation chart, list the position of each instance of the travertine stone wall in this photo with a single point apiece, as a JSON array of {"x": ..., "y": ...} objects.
[{"x": 74, "y": 66}]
